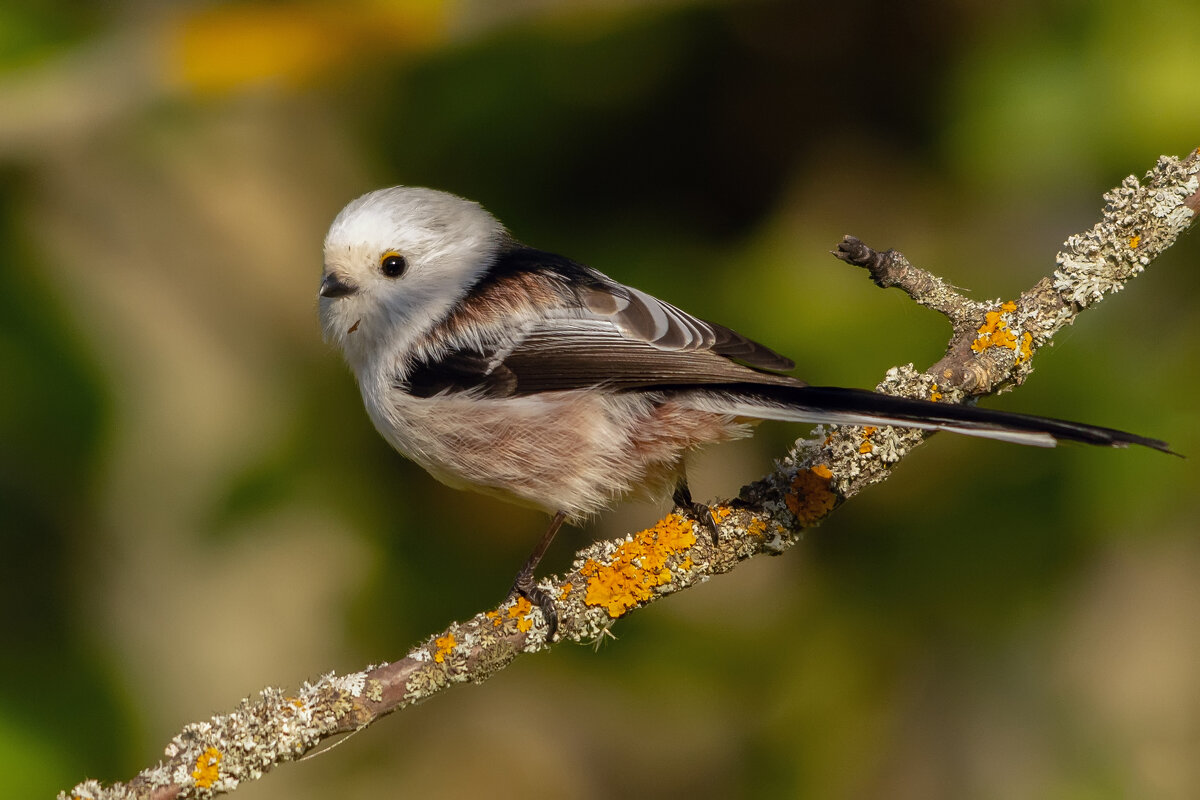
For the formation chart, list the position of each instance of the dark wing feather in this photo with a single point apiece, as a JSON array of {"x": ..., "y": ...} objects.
[
  {"x": 564, "y": 354},
  {"x": 461, "y": 370}
]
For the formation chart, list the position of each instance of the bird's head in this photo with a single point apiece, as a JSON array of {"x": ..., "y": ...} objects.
[{"x": 396, "y": 262}]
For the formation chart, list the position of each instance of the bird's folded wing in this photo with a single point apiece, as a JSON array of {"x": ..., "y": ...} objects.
[
  {"x": 559, "y": 354},
  {"x": 582, "y": 291}
]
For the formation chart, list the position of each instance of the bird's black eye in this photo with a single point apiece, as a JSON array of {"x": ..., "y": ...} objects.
[{"x": 392, "y": 264}]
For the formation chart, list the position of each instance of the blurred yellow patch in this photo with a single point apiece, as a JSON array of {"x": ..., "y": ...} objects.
[{"x": 230, "y": 47}]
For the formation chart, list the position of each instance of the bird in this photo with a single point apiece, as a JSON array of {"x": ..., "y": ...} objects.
[{"x": 528, "y": 376}]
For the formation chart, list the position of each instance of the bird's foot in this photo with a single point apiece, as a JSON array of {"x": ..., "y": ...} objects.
[
  {"x": 526, "y": 586},
  {"x": 697, "y": 511}
]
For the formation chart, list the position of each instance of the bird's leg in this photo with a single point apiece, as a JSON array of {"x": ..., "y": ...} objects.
[
  {"x": 698, "y": 511},
  {"x": 527, "y": 587}
]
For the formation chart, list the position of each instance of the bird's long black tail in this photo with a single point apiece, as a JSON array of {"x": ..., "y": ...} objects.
[{"x": 861, "y": 407}]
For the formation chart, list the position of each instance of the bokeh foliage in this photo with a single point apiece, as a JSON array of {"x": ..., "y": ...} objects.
[{"x": 193, "y": 504}]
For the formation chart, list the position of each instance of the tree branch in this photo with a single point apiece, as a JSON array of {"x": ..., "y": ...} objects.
[{"x": 992, "y": 347}]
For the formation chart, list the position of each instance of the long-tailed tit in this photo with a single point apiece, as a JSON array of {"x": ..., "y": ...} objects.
[{"x": 528, "y": 376}]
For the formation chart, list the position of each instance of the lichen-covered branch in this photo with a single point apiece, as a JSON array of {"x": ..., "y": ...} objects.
[{"x": 992, "y": 347}]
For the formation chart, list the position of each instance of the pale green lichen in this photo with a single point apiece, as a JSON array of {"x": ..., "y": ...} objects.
[{"x": 1139, "y": 222}]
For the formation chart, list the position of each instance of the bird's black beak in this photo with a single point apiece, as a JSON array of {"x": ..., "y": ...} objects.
[{"x": 334, "y": 286}]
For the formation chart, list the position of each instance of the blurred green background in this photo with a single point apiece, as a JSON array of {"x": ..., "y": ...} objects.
[{"x": 194, "y": 505}]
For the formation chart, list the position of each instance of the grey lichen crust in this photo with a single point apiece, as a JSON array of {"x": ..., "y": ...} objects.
[
  {"x": 217, "y": 755},
  {"x": 1140, "y": 221}
]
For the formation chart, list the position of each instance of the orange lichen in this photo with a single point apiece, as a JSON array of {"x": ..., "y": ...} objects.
[
  {"x": 1026, "y": 347},
  {"x": 994, "y": 332},
  {"x": 565, "y": 592},
  {"x": 208, "y": 768},
  {"x": 520, "y": 612},
  {"x": 444, "y": 645},
  {"x": 637, "y": 566},
  {"x": 1134, "y": 241},
  {"x": 810, "y": 498},
  {"x": 756, "y": 528},
  {"x": 721, "y": 513},
  {"x": 520, "y": 608},
  {"x": 494, "y": 616},
  {"x": 866, "y": 446},
  {"x": 934, "y": 394}
]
